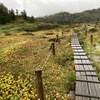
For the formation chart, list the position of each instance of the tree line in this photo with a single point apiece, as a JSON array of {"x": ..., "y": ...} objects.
[
  {"x": 7, "y": 16},
  {"x": 68, "y": 18}
]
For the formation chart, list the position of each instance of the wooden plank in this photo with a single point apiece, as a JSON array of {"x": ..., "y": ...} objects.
[
  {"x": 97, "y": 87},
  {"x": 92, "y": 89},
  {"x": 77, "y": 67},
  {"x": 81, "y": 62},
  {"x": 79, "y": 47},
  {"x": 83, "y": 57},
  {"x": 74, "y": 45},
  {"x": 79, "y": 54},
  {"x": 89, "y": 79},
  {"x": 86, "y": 62},
  {"x": 82, "y": 53},
  {"x": 79, "y": 90},
  {"x": 83, "y": 73},
  {"x": 90, "y": 67},
  {"x": 78, "y": 98},
  {"x": 85, "y": 88},
  {"x": 90, "y": 96},
  {"x": 81, "y": 80},
  {"x": 78, "y": 78},
  {"x": 75, "y": 51},
  {"x": 74, "y": 48},
  {"x": 94, "y": 99},
  {"x": 78, "y": 73},
  {"x": 93, "y": 74},
  {"x": 85, "y": 92},
  {"x": 78, "y": 51},
  {"x": 95, "y": 79},
  {"x": 74, "y": 42},
  {"x": 86, "y": 67},
  {"x": 78, "y": 87},
  {"x": 81, "y": 67},
  {"x": 77, "y": 57},
  {"x": 86, "y": 98},
  {"x": 74, "y": 39},
  {"x": 78, "y": 62},
  {"x": 88, "y": 73}
]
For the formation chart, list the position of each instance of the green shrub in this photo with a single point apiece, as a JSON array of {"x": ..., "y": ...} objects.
[
  {"x": 82, "y": 40},
  {"x": 20, "y": 20},
  {"x": 37, "y": 27},
  {"x": 29, "y": 28},
  {"x": 49, "y": 33},
  {"x": 52, "y": 40},
  {"x": 93, "y": 30},
  {"x": 68, "y": 30},
  {"x": 28, "y": 33},
  {"x": 64, "y": 59},
  {"x": 69, "y": 82},
  {"x": 7, "y": 34},
  {"x": 76, "y": 30},
  {"x": 98, "y": 74}
]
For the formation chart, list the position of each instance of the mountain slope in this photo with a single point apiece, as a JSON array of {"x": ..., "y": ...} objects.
[{"x": 66, "y": 18}]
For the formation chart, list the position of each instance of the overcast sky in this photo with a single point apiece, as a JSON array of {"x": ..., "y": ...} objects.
[{"x": 38, "y": 8}]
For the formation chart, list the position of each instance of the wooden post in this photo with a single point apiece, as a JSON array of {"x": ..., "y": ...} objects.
[
  {"x": 91, "y": 39},
  {"x": 58, "y": 39},
  {"x": 85, "y": 32},
  {"x": 53, "y": 48},
  {"x": 62, "y": 33},
  {"x": 39, "y": 84}
]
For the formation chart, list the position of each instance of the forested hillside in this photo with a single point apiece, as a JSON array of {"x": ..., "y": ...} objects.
[
  {"x": 67, "y": 18},
  {"x": 9, "y": 15}
]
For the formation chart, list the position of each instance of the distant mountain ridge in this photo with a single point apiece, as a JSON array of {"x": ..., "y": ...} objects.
[{"x": 67, "y": 18}]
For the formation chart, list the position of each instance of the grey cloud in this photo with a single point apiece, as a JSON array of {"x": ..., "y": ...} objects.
[
  {"x": 47, "y": 7},
  {"x": 10, "y": 3}
]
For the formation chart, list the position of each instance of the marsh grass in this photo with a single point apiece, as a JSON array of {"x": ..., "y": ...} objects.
[
  {"x": 91, "y": 49},
  {"x": 22, "y": 54},
  {"x": 69, "y": 81}
]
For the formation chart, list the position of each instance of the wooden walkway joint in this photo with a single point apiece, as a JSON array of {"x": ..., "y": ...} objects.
[{"x": 87, "y": 83}]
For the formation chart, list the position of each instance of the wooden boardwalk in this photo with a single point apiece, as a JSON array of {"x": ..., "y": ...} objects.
[{"x": 87, "y": 83}]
